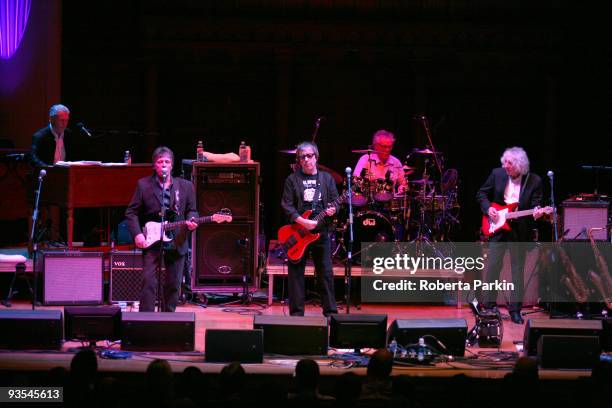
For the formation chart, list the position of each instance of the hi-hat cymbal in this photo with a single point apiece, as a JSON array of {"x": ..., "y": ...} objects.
[
  {"x": 290, "y": 151},
  {"x": 421, "y": 181}
]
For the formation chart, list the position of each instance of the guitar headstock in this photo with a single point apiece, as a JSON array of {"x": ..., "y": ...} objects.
[{"x": 223, "y": 215}]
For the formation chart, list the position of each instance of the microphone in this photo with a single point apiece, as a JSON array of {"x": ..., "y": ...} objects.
[
  {"x": 42, "y": 174},
  {"x": 243, "y": 242},
  {"x": 83, "y": 129},
  {"x": 164, "y": 174},
  {"x": 320, "y": 118},
  {"x": 388, "y": 175},
  {"x": 418, "y": 116},
  {"x": 363, "y": 173},
  {"x": 550, "y": 174},
  {"x": 348, "y": 171}
]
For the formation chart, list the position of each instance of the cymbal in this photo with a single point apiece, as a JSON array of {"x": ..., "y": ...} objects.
[
  {"x": 290, "y": 151},
  {"x": 425, "y": 151},
  {"x": 421, "y": 181},
  {"x": 368, "y": 151}
]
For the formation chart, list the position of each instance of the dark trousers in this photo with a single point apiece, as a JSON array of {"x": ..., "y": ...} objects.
[
  {"x": 321, "y": 256},
  {"x": 174, "y": 263},
  {"x": 498, "y": 244}
]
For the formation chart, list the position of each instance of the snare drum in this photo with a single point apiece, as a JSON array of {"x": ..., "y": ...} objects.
[{"x": 383, "y": 190}]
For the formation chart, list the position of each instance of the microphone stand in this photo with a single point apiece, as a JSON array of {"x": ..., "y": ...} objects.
[
  {"x": 162, "y": 233},
  {"x": 424, "y": 120},
  {"x": 316, "y": 129},
  {"x": 349, "y": 256},
  {"x": 552, "y": 202},
  {"x": 41, "y": 174}
]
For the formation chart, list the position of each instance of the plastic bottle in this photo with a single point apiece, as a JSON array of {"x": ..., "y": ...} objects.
[
  {"x": 243, "y": 152},
  {"x": 127, "y": 157},
  {"x": 200, "y": 151}
]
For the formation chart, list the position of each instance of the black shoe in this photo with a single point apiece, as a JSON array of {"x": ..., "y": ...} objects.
[{"x": 516, "y": 317}]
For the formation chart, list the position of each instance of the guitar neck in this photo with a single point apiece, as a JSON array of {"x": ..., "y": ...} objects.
[
  {"x": 339, "y": 200},
  {"x": 518, "y": 214},
  {"x": 178, "y": 224}
]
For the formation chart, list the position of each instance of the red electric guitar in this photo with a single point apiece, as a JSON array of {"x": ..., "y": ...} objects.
[
  {"x": 506, "y": 212},
  {"x": 295, "y": 239}
]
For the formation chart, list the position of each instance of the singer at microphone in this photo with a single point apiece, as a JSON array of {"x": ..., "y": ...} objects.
[
  {"x": 177, "y": 197},
  {"x": 49, "y": 144}
]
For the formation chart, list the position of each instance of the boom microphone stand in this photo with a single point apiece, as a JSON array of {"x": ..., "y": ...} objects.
[
  {"x": 162, "y": 232},
  {"x": 41, "y": 174}
]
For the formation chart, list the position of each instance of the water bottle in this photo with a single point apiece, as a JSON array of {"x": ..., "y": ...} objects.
[
  {"x": 243, "y": 152},
  {"x": 200, "y": 151},
  {"x": 127, "y": 157}
]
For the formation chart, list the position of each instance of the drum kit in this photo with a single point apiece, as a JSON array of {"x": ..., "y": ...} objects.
[{"x": 422, "y": 209}]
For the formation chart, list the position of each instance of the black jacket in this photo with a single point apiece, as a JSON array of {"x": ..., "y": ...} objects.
[
  {"x": 530, "y": 196},
  {"x": 292, "y": 202},
  {"x": 146, "y": 205},
  {"x": 43, "y": 147}
]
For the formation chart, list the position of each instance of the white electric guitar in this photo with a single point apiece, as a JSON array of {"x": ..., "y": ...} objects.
[{"x": 152, "y": 229}]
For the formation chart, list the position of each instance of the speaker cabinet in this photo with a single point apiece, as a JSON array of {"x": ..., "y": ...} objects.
[
  {"x": 226, "y": 346},
  {"x": 535, "y": 328},
  {"x": 226, "y": 252},
  {"x": 450, "y": 332},
  {"x": 307, "y": 334},
  {"x": 72, "y": 278},
  {"x": 31, "y": 329},
  {"x": 568, "y": 351},
  {"x": 148, "y": 331},
  {"x": 126, "y": 276},
  {"x": 580, "y": 216}
]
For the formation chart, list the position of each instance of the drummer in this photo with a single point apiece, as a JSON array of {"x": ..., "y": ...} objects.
[{"x": 381, "y": 164}]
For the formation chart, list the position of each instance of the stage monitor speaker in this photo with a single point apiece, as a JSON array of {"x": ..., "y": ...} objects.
[
  {"x": 126, "y": 276},
  {"x": 226, "y": 346},
  {"x": 307, "y": 334},
  {"x": 563, "y": 351},
  {"x": 149, "y": 331},
  {"x": 226, "y": 252},
  {"x": 72, "y": 277},
  {"x": 31, "y": 329},
  {"x": 450, "y": 332},
  {"x": 580, "y": 216},
  {"x": 535, "y": 328}
]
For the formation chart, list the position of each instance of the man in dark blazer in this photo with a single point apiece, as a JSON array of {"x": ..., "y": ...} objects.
[
  {"x": 179, "y": 198},
  {"x": 49, "y": 143},
  {"x": 308, "y": 188},
  {"x": 508, "y": 184}
]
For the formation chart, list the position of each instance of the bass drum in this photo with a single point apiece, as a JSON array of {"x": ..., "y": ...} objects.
[{"x": 368, "y": 226}]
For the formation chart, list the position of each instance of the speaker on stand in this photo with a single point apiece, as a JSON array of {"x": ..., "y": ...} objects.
[{"x": 225, "y": 255}]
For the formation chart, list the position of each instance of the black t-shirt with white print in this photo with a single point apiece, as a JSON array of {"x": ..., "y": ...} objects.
[{"x": 309, "y": 182}]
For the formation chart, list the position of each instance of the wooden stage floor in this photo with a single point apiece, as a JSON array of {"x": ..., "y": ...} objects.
[{"x": 241, "y": 317}]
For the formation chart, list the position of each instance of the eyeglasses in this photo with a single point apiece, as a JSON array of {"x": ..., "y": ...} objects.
[{"x": 307, "y": 156}]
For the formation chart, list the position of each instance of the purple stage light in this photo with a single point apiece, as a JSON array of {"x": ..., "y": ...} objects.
[{"x": 13, "y": 21}]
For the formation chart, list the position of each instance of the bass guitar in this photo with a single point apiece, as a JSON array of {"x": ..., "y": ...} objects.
[
  {"x": 152, "y": 229},
  {"x": 294, "y": 238}
]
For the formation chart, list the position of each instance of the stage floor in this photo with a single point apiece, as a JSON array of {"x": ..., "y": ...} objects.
[{"x": 241, "y": 317}]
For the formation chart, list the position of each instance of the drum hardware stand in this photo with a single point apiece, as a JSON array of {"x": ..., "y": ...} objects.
[{"x": 348, "y": 265}]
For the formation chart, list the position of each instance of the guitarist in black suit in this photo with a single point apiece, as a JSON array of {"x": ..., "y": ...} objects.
[
  {"x": 508, "y": 184},
  {"x": 309, "y": 188},
  {"x": 179, "y": 199}
]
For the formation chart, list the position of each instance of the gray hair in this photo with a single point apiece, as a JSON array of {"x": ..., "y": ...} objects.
[
  {"x": 518, "y": 157},
  {"x": 382, "y": 134},
  {"x": 162, "y": 151},
  {"x": 306, "y": 145},
  {"x": 55, "y": 109}
]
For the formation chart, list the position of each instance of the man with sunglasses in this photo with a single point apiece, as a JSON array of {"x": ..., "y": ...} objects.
[
  {"x": 381, "y": 164},
  {"x": 309, "y": 188}
]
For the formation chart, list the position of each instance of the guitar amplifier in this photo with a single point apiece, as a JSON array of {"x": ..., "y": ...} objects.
[
  {"x": 580, "y": 216},
  {"x": 126, "y": 276},
  {"x": 72, "y": 277}
]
